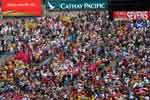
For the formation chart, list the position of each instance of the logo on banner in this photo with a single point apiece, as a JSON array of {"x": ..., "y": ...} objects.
[
  {"x": 137, "y": 15},
  {"x": 76, "y": 4},
  {"x": 50, "y": 6},
  {"x": 131, "y": 15},
  {"x": 21, "y": 8}
]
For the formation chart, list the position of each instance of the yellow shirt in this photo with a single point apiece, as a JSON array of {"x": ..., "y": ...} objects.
[
  {"x": 71, "y": 98},
  {"x": 92, "y": 98},
  {"x": 79, "y": 97}
]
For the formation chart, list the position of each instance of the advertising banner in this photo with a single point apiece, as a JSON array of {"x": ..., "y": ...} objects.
[
  {"x": 131, "y": 15},
  {"x": 75, "y": 4},
  {"x": 21, "y": 8},
  {"x": 0, "y": 8}
]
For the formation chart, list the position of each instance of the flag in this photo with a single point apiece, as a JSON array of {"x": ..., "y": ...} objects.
[{"x": 23, "y": 56}]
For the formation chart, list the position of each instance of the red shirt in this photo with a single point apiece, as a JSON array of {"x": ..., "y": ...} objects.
[{"x": 17, "y": 97}]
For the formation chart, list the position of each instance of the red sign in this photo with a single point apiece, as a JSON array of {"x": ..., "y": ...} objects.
[
  {"x": 21, "y": 8},
  {"x": 131, "y": 15},
  {"x": 0, "y": 7}
]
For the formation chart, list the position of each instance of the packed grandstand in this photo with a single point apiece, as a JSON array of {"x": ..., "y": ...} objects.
[{"x": 82, "y": 57}]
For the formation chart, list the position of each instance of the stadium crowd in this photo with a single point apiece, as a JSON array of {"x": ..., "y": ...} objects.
[{"x": 91, "y": 58}]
